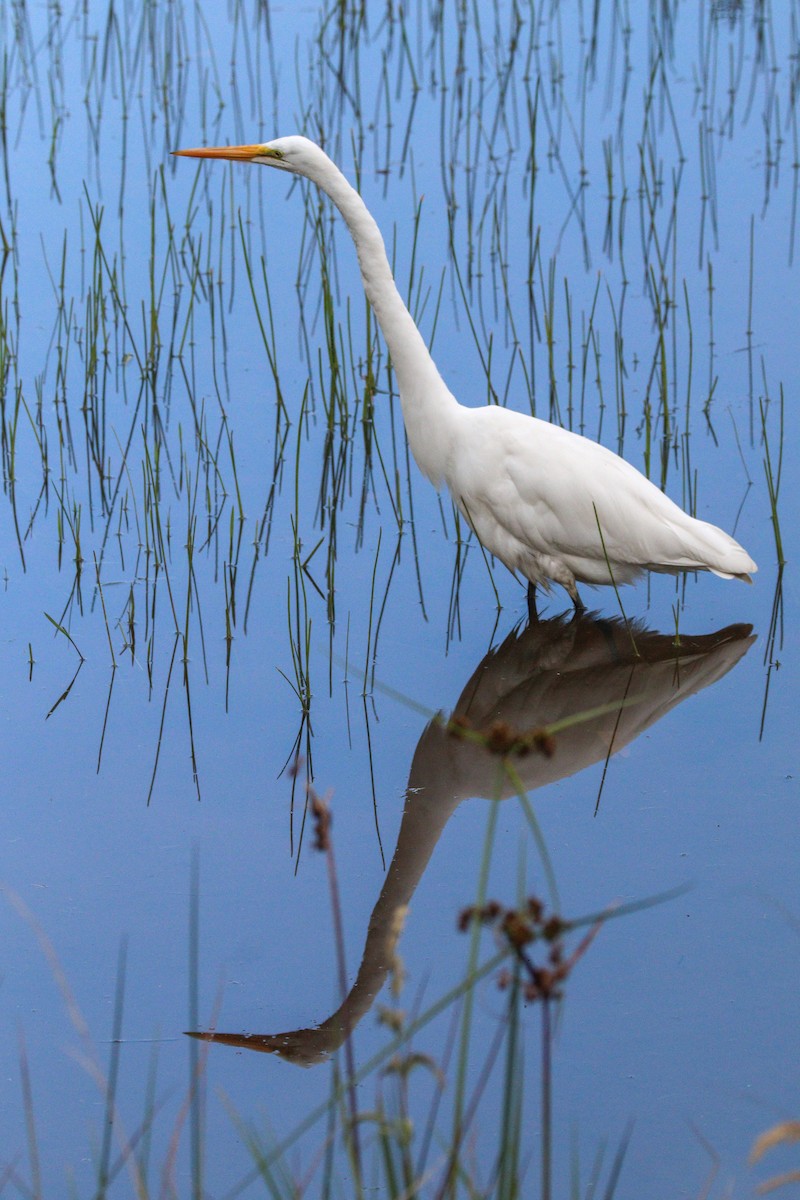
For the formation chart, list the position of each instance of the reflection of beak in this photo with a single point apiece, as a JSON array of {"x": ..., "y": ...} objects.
[{"x": 237, "y": 153}]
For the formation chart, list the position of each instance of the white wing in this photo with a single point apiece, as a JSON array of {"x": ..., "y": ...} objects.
[{"x": 535, "y": 493}]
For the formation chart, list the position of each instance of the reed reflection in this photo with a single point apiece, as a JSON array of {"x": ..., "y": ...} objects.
[{"x": 551, "y": 671}]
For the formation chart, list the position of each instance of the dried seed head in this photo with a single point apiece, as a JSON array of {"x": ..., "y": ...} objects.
[
  {"x": 517, "y": 930},
  {"x": 553, "y": 928},
  {"x": 500, "y": 737},
  {"x": 323, "y": 820},
  {"x": 544, "y": 742}
]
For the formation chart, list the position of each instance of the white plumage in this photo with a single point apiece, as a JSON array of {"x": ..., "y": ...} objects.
[{"x": 537, "y": 496}]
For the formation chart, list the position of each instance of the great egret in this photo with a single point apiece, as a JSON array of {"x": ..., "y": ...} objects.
[{"x": 550, "y": 504}]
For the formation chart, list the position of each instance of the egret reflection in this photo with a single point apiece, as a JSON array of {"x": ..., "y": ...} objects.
[{"x": 551, "y": 671}]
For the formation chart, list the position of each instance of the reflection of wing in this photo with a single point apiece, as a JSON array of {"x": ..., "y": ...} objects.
[
  {"x": 558, "y": 669},
  {"x": 550, "y": 671}
]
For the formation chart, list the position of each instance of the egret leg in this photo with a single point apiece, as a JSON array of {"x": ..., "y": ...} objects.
[
  {"x": 533, "y": 615},
  {"x": 580, "y": 607}
]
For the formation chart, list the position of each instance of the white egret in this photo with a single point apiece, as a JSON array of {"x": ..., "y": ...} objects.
[{"x": 550, "y": 504}]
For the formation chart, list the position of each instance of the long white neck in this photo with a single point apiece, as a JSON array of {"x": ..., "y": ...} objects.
[{"x": 429, "y": 408}]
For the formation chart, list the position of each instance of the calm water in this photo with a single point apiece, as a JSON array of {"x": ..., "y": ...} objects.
[{"x": 597, "y": 224}]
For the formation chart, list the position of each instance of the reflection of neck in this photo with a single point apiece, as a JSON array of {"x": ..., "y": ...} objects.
[
  {"x": 428, "y": 807},
  {"x": 429, "y": 804}
]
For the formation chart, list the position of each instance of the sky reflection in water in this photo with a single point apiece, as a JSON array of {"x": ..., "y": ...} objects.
[{"x": 190, "y": 414}]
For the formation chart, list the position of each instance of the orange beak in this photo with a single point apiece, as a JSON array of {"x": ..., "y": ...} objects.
[{"x": 237, "y": 153}]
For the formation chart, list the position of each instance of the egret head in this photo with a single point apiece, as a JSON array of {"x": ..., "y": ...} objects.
[{"x": 295, "y": 154}]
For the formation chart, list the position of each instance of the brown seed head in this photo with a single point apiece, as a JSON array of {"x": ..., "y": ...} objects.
[{"x": 517, "y": 930}]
